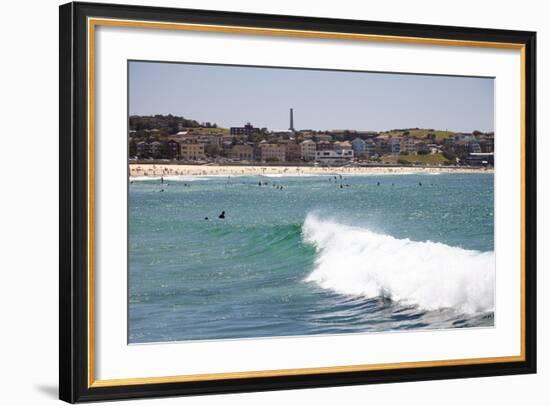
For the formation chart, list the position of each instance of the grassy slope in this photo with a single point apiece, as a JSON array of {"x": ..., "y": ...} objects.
[
  {"x": 421, "y": 133},
  {"x": 430, "y": 159}
]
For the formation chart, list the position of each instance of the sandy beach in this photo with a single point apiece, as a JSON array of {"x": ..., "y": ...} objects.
[{"x": 255, "y": 170}]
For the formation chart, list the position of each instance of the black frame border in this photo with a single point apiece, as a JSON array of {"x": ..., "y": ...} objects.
[{"x": 73, "y": 202}]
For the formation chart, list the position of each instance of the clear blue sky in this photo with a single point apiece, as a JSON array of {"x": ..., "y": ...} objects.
[{"x": 322, "y": 100}]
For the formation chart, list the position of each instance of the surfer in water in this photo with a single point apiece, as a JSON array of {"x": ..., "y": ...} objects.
[
  {"x": 222, "y": 215},
  {"x": 162, "y": 180}
]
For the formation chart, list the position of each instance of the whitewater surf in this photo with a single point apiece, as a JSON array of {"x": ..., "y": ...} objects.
[{"x": 356, "y": 261}]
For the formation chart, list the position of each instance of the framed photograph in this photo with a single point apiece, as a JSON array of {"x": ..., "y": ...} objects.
[{"x": 256, "y": 202}]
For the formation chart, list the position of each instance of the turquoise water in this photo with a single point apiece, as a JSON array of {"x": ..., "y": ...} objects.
[{"x": 322, "y": 255}]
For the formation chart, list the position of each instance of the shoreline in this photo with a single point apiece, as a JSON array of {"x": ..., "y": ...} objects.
[{"x": 152, "y": 170}]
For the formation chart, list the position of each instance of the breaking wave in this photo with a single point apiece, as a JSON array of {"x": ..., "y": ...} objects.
[{"x": 356, "y": 261}]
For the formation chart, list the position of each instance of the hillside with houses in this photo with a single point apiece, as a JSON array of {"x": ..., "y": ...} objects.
[{"x": 174, "y": 138}]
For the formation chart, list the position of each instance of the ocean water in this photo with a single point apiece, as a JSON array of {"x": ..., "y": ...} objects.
[{"x": 321, "y": 255}]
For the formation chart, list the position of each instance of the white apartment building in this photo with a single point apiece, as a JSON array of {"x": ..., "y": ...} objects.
[{"x": 341, "y": 156}]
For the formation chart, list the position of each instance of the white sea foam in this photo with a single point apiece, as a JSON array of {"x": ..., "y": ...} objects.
[{"x": 355, "y": 261}]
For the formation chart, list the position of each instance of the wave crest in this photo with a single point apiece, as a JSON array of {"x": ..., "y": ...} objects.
[{"x": 355, "y": 261}]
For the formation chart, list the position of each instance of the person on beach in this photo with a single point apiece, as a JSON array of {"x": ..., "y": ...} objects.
[{"x": 222, "y": 215}]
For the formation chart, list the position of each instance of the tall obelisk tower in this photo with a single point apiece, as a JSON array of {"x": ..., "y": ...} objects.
[{"x": 291, "y": 119}]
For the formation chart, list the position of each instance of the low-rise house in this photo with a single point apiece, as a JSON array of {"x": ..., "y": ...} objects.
[
  {"x": 466, "y": 137},
  {"x": 323, "y": 137},
  {"x": 189, "y": 138},
  {"x": 434, "y": 148},
  {"x": 449, "y": 142},
  {"x": 422, "y": 148}
]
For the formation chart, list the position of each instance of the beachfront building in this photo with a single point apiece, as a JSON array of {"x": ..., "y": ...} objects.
[
  {"x": 481, "y": 159},
  {"x": 293, "y": 151},
  {"x": 382, "y": 146},
  {"x": 325, "y": 146},
  {"x": 370, "y": 147},
  {"x": 307, "y": 150},
  {"x": 242, "y": 152},
  {"x": 142, "y": 149},
  {"x": 154, "y": 148},
  {"x": 487, "y": 145},
  {"x": 339, "y": 157},
  {"x": 407, "y": 145},
  {"x": 474, "y": 147},
  {"x": 173, "y": 149},
  {"x": 341, "y": 145},
  {"x": 192, "y": 151},
  {"x": 394, "y": 146},
  {"x": 272, "y": 152},
  {"x": 359, "y": 146},
  {"x": 148, "y": 149}
]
